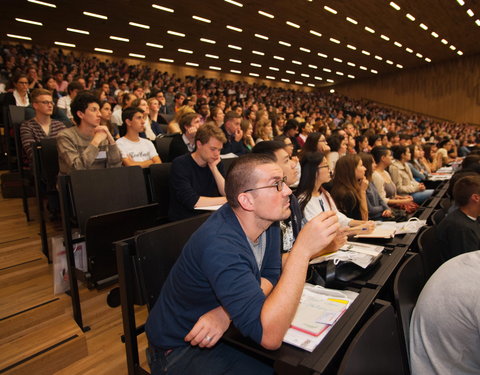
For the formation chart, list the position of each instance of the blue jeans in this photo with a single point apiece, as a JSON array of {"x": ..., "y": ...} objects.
[
  {"x": 421, "y": 196},
  {"x": 192, "y": 360}
]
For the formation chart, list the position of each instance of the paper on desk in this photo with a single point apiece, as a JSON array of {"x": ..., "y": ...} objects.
[
  {"x": 359, "y": 253},
  {"x": 209, "y": 208},
  {"x": 382, "y": 230},
  {"x": 324, "y": 300}
]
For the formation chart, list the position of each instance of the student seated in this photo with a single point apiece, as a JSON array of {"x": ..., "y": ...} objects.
[
  {"x": 136, "y": 150},
  {"x": 88, "y": 145},
  {"x": 459, "y": 231},
  {"x": 229, "y": 272},
  {"x": 184, "y": 143}
]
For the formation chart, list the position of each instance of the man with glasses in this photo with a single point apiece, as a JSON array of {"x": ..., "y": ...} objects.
[
  {"x": 88, "y": 145},
  {"x": 42, "y": 125},
  {"x": 229, "y": 271}
]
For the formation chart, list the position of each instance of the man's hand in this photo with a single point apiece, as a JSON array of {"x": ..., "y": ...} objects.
[
  {"x": 213, "y": 164},
  {"x": 209, "y": 328},
  {"x": 339, "y": 240},
  {"x": 238, "y": 135},
  {"x": 364, "y": 184},
  {"x": 387, "y": 213},
  {"x": 102, "y": 129},
  {"x": 317, "y": 234},
  {"x": 421, "y": 187}
]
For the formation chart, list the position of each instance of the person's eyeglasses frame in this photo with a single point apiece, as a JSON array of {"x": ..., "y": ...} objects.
[{"x": 278, "y": 185}]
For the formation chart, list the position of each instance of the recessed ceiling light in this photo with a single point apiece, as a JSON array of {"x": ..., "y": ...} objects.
[
  {"x": 452, "y": 47},
  {"x": 327, "y": 70},
  {"x": 191, "y": 63},
  {"x": 289, "y": 23},
  {"x": 331, "y": 81},
  {"x": 312, "y": 66},
  {"x": 305, "y": 75},
  {"x": 185, "y": 50},
  {"x": 285, "y": 80},
  {"x": 384, "y": 37},
  {"x": 366, "y": 52},
  {"x": 316, "y": 33},
  {"x": 351, "y": 20},
  {"x": 141, "y": 25},
  {"x": 310, "y": 84},
  {"x": 165, "y": 9},
  {"x": 290, "y": 71},
  {"x": 434, "y": 34},
  {"x": 273, "y": 68},
  {"x": 136, "y": 55},
  {"x": 266, "y": 14},
  {"x": 318, "y": 78},
  {"x": 42, "y": 3},
  {"x": 477, "y": 21},
  {"x": 65, "y": 44},
  {"x": 256, "y": 65},
  {"x": 331, "y": 10},
  {"x": 337, "y": 59},
  {"x": 235, "y": 71},
  {"x": 339, "y": 73},
  {"x": 119, "y": 38},
  {"x": 398, "y": 44},
  {"x": 470, "y": 13},
  {"x": 333, "y": 40},
  {"x": 351, "y": 64},
  {"x": 399, "y": 66},
  {"x": 322, "y": 55},
  {"x": 202, "y": 19},
  {"x": 232, "y": 46},
  {"x": 212, "y": 56},
  {"x": 235, "y": 61},
  {"x": 444, "y": 41},
  {"x": 296, "y": 62},
  {"x": 261, "y": 36},
  {"x": 270, "y": 77},
  {"x": 299, "y": 82},
  {"x": 103, "y": 50},
  {"x": 29, "y": 21},
  {"x": 459, "y": 52},
  {"x": 305, "y": 49},
  {"x": 258, "y": 53},
  {"x": 254, "y": 74},
  {"x": 165, "y": 60},
  {"x": 410, "y": 17},
  {"x": 423, "y": 26},
  {"x": 461, "y": 2},
  {"x": 214, "y": 68},
  {"x": 284, "y": 43},
  {"x": 279, "y": 58},
  {"x": 234, "y": 28},
  {"x": 95, "y": 15},
  {"x": 351, "y": 47},
  {"x": 374, "y": 71},
  {"x": 205, "y": 40},
  {"x": 154, "y": 45},
  {"x": 395, "y": 6},
  {"x": 409, "y": 50},
  {"x": 234, "y": 3},
  {"x": 351, "y": 76},
  {"x": 389, "y": 62},
  {"x": 369, "y": 29},
  {"x": 176, "y": 33},
  {"x": 363, "y": 67},
  {"x": 78, "y": 31},
  {"x": 379, "y": 57},
  {"x": 427, "y": 59}
]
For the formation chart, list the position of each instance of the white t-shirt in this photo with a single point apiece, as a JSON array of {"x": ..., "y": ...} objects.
[
  {"x": 314, "y": 207},
  {"x": 138, "y": 151}
]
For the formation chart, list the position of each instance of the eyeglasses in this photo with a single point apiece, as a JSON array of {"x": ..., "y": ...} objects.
[
  {"x": 278, "y": 185},
  {"x": 22, "y": 83},
  {"x": 44, "y": 102}
]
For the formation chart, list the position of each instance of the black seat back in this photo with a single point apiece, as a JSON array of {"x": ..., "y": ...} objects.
[
  {"x": 157, "y": 250},
  {"x": 227, "y": 163},
  {"x": 407, "y": 285},
  {"x": 438, "y": 216},
  {"x": 159, "y": 185},
  {"x": 376, "y": 347},
  {"x": 99, "y": 191},
  {"x": 162, "y": 144},
  {"x": 48, "y": 162},
  {"x": 429, "y": 249}
]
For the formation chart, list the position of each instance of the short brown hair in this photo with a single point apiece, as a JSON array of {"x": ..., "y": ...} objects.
[
  {"x": 37, "y": 92},
  {"x": 230, "y": 115},
  {"x": 186, "y": 120},
  {"x": 241, "y": 175},
  {"x": 208, "y": 130},
  {"x": 464, "y": 188}
]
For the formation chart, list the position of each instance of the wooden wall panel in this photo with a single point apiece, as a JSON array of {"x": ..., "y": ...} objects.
[{"x": 447, "y": 90}]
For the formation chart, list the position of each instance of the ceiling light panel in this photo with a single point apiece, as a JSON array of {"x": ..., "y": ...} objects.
[
  {"x": 234, "y": 28},
  {"x": 236, "y": 3},
  {"x": 64, "y": 44},
  {"x": 44, "y": 3},
  {"x": 266, "y": 14},
  {"x": 165, "y": 9},
  {"x": 205, "y": 40},
  {"x": 29, "y": 21},
  {"x": 202, "y": 19},
  {"x": 176, "y": 33},
  {"x": 140, "y": 25},
  {"x": 78, "y": 31},
  {"x": 95, "y": 15}
]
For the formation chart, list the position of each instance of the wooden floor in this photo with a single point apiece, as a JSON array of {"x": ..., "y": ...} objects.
[{"x": 26, "y": 281}]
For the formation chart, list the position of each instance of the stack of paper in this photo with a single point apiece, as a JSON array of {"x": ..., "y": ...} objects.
[
  {"x": 316, "y": 314},
  {"x": 359, "y": 253}
]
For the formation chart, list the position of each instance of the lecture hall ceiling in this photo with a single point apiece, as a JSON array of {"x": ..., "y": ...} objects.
[{"x": 313, "y": 43}]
